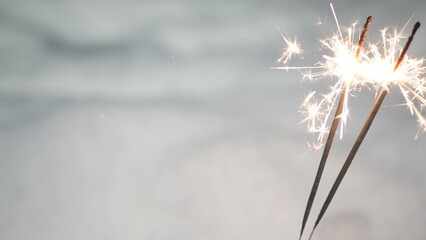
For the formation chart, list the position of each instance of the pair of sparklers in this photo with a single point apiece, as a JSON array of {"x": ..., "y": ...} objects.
[{"x": 355, "y": 67}]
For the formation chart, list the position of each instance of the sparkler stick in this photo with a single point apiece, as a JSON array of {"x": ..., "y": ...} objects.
[
  {"x": 363, "y": 133},
  {"x": 331, "y": 134}
]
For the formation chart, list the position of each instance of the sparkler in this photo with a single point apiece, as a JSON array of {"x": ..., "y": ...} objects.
[
  {"x": 331, "y": 135},
  {"x": 378, "y": 68},
  {"x": 364, "y": 131}
]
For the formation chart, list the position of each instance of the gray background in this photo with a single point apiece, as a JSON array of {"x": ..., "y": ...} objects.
[{"x": 163, "y": 120}]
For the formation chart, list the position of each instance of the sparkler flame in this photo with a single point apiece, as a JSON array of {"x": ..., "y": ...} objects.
[{"x": 351, "y": 69}]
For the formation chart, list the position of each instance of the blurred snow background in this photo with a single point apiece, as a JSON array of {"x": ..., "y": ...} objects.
[{"x": 163, "y": 120}]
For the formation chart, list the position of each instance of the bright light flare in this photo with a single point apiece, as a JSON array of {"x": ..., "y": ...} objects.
[{"x": 292, "y": 48}]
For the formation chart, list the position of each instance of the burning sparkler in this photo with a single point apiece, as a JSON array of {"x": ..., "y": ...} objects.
[
  {"x": 340, "y": 107},
  {"x": 384, "y": 90},
  {"x": 378, "y": 67}
]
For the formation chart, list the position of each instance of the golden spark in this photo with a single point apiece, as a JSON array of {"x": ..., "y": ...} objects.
[{"x": 292, "y": 48}]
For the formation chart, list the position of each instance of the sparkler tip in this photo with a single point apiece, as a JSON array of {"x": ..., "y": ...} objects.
[{"x": 417, "y": 25}]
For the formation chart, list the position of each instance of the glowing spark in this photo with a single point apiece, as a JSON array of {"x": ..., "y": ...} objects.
[
  {"x": 319, "y": 21},
  {"x": 292, "y": 48}
]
